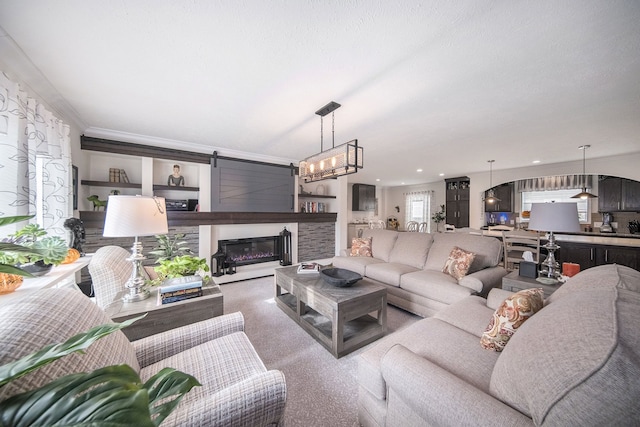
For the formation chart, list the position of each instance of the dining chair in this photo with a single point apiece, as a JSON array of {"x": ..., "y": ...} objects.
[
  {"x": 412, "y": 226},
  {"x": 423, "y": 227},
  {"x": 516, "y": 243}
]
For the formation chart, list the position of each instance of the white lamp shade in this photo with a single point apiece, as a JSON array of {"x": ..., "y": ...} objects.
[
  {"x": 556, "y": 217},
  {"x": 130, "y": 216}
]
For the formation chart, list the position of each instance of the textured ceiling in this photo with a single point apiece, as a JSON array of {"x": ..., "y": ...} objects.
[{"x": 438, "y": 85}]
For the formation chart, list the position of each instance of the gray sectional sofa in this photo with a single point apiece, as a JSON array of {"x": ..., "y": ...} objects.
[
  {"x": 576, "y": 362},
  {"x": 410, "y": 266}
]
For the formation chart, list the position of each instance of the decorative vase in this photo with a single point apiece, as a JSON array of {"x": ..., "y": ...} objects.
[
  {"x": 37, "y": 269},
  {"x": 9, "y": 282}
]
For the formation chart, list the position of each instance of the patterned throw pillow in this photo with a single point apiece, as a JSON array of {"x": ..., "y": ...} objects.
[
  {"x": 510, "y": 316},
  {"x": 458, "y": 262},
  {"x": 361, "y": 246}
]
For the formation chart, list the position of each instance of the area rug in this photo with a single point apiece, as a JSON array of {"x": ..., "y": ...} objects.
[{"x": 321, "y": 390}]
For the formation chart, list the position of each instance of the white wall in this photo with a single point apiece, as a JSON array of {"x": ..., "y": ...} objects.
[{"x": 625, "y": 166}]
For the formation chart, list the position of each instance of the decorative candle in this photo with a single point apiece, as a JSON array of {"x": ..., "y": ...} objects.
[{"x": 570, "y": 269}]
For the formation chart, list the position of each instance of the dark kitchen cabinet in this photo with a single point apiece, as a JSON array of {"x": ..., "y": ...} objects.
[
  {"x": 589, "y": 255},
  {"x": 503, "y": 192},
  {"x": 618, "y": 194},
  {"x": 363, "y": 197},
  {"x": 457, "y": 201}
]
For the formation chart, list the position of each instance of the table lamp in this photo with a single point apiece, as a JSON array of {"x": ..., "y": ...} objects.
[
  {"x": 135, "y": 216},
  {"x": 553, "y": 217}
]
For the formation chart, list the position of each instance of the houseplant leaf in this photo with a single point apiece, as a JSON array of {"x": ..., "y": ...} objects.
[
  {"x": 48, "y": 354},
  {"x": 169, "y": 387}
]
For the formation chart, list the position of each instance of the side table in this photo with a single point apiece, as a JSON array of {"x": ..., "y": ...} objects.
[
  {"x": 514, "y": 282},
  {"x": 161, "y": 318}
]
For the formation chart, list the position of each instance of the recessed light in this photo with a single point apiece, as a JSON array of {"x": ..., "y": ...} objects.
[
  {"x": 418, "y": 170},
  {"x": 536, "y": 162},
  {"x": 441, "y": 174},
  {"x": 378, "y": 179},
  {"x": 402, "y": 183}
]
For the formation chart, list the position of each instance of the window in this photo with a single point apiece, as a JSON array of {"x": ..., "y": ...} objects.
[
  {"x": 529, "y": 197},
  {"x": 418, "y": 206}
]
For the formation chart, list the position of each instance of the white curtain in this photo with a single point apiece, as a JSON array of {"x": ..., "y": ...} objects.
[
  {"x": 35, "y": 164},
  {"x": 418, "y": 207}
]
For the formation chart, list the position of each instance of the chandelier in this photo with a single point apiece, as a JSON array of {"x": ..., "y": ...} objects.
[{"x": 337, "y": 161}]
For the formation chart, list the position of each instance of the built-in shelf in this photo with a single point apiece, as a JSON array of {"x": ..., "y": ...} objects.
[
  {"x": 315, "y": 196},
  {"x": 174, "y": 188},
  {"x": 110, "y": 184}
]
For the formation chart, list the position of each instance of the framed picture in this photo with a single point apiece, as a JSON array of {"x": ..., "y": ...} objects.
[{"x": 74, "y": 182}]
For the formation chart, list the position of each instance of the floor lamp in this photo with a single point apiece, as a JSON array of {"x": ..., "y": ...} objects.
[
  {"x": 135, "y": 216},
  {"x": 553, "y": 217}
]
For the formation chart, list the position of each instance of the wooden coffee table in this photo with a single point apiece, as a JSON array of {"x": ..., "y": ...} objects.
[{"x": 341, "y": 319}]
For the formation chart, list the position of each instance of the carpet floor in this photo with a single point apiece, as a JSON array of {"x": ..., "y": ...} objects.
[{"x": 321, "y": 390}]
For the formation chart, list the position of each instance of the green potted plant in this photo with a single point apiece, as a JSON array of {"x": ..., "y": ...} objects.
[
  {"x": 438, "y": 217},
  {"x": 11, "y": 275},
  {"x": 114, "y": 395},
  {"x": 180, "y": 266},
  {"x": 170, "y": 247},
  {"x": 46, "y": 251}
]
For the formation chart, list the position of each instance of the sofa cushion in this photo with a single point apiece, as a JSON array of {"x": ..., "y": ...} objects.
[
  {"x": 51, "y": 316},
  {"x": 590, "y": 376},
  {"x": 389, "y": 273},
  {"x": 411, "y": 249},
  {"x": 458, "y": 263},
  {"x": 437, "y": 341},
  {"x": 355, "y": 263},
  {"x": 488, "y": 250},
  {"x": 382, "y": 242},
  {"x": 434, "y": 285},
  {"x": 511, "y": 314},
  {"x": 361, "y": 246},
  {"x": 469, "y": 314}
]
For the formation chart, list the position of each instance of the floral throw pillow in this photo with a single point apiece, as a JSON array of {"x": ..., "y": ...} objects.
[
  {"x": 361, "y": 246},
  {"x": 510, "y": 316},
  {"x": 458, "y": 262}
]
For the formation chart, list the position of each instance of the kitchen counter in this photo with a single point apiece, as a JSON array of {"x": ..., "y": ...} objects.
[{"x": 613, "y": 239}]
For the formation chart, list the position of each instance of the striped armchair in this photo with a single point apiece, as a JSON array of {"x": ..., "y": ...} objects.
[
  {"x": 109, "y": 271},
  {"x": 237, "y": 389}
]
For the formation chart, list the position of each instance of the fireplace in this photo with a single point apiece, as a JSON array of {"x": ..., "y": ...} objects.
[{"x": 252, "y": 250}]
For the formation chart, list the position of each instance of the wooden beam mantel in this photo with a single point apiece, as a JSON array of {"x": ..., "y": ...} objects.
[{"x": 95, "y": 219}]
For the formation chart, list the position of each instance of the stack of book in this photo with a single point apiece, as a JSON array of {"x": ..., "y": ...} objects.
[
  {"x": 308, "y": 268},
  {"x": 179, "y": 289}
]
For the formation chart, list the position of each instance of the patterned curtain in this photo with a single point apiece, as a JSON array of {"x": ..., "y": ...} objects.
[
  {"x": 557, "y": 182},
  {"x": 35, "y": 162},
  {"x": 418, "y": 207}
]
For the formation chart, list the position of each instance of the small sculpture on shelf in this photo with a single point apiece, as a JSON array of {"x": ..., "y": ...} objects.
[
  {"x": 175, "y": 179},
  {"x": 97, "y": 203}
]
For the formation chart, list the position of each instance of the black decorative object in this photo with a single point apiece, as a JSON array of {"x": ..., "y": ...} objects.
[
  {"x": 76, "y": 227},
  {"x": 217, "y": 263},
  {"x": 339, "y": 277},
  {"x": 285, "y": 242},
  {"x": 231, "y": 266}
]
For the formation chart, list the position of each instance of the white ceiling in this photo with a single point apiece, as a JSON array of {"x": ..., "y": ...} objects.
[{"x": 439, "y": 85}]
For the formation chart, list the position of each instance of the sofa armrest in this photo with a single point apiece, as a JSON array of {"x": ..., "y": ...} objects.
[
  {"x": 157, "y": 347},
  {"x": 484, "y": 280},
  {"x": 496, "y": 296},
  {"x": 440, "y": 398},
  {"x": 256, "y": 401}
]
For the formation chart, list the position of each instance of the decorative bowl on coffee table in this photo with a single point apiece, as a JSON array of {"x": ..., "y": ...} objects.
[{"x": 339, "y": 277}]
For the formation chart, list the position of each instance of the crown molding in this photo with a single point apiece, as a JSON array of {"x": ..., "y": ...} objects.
[{"x": 19, "y": 66}]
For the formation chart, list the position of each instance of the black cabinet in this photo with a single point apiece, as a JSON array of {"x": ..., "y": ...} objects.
[
  {"x": 618, "y": 194},
  {"x": 589, "y": 255},
  {"x": 457, "y": 201},
  {"x": 503, "y": 192},
  {"x": 363, "y": 197}
]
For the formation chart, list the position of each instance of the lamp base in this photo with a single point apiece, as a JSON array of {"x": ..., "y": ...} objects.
[
  {"x": 136, "y": 283},
  {"x": 550, "y": 267}
]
